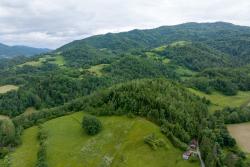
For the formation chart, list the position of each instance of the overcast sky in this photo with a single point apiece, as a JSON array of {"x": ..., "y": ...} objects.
[{"x": 52, "y": 23}]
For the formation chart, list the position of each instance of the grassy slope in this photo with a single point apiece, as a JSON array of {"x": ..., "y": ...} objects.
[
  {"x": 26, "y": 154},
  {"x": 220, "y": 101},
  {"x": 3, "y": 117},
  {"x": 97, "y": 69},
  {"x": 7, "y": 88},
  {"x": 58, "y": 60},
  {"x": 121, "y": 142}
]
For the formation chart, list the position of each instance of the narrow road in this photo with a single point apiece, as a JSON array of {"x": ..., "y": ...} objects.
[{"x": 199, "y": 155}]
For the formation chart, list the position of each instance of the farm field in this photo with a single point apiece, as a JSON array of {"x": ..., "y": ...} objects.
[
  {"x": 120, "y": 143},
  {"x": 26, "y": 154},
  {"x": 220, "y": 101},
  {"x": 7, "y": 88},
  {"x": 241, "y": 133}
]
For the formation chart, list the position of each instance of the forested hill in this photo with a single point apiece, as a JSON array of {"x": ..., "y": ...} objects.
[
  {"x": 141, "y": 73},
  {"x": 13, "y": 51},
  {"x": 225, "y": 37}
]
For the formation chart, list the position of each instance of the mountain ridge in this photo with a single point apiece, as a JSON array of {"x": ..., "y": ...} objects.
[{"x": 7, "y": 51}]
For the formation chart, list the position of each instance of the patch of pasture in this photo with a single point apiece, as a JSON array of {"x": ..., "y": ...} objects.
[
  {"x": 29, "y": 111},
  {"x": 241, "y": 133},
  {"x": 180, "y": 43},
  {"x": 120, "y": 143},
  {"x": 7, "y": 88},
  {"x": 97, "y": 69},
  {"x": 2, "y": 117},
  {"x": 58, "y": 60},
  {"x": 219, "y": 101},
  {"x": 26, "y": 154}
]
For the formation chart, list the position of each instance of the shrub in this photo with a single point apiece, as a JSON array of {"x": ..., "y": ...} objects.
[
  {"x": 154, "y": 142},
  {"x": 7, "y": 132},
  {"x": 3, "y": 151},
  {"x": 91, "y": 125}
]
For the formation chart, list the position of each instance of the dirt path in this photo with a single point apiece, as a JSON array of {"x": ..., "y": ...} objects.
[{"x": 199, "y": 155}]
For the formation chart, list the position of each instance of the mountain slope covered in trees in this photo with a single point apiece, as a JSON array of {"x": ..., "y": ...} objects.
[
  {"x": 14, "y": 51},
  {"x": 140, "y": 73}
]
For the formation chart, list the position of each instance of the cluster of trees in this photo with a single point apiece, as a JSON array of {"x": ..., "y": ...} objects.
[
  {"x": 9, "y": 136},
  {"x": 7, "y": 132},
  {"x": 41, "y": 154},
  {"x": 91, "y": 125},
  {"x": 154, "y": 142},
  {"x": 234, "y": 115},
  {"x": 48, "y": 90},
  {"x": 195, "y": 56},
  {"x": 85, "y": 56},
  {"x": 225, "y": 80},
  {"x": 136, "y": 67}
]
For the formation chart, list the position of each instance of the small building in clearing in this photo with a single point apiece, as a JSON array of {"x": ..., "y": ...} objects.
[{"x": 186, "y": 155}]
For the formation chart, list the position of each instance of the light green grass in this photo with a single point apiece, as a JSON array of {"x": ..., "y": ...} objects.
[
  {"x": 155, "y": 56},
  {"x": 26, "y": 154},
  {"x": 219, "y": 101},
  {"x": 120, "y": 143},
  {"x": 37, "y": 63},
  {"x": 2, "y": 117},
  {"x": 160, "y": 49},
  {"x": 185, "y": 73},
  {"x": 29, "y": 111},
  {"x": 97, "y": 69},
  {"x": 180, "y": 43},
  {"x": 58, "y": 60},
  {"x": 7, "y": 88}
]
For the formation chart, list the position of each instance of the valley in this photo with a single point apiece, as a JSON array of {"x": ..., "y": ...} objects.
[{"x": 150, "y": 92}]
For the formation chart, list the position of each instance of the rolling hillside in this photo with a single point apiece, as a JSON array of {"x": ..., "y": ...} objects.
[
  {"x": 145, "y": 75},
  {"x": 14, "y": 51}
]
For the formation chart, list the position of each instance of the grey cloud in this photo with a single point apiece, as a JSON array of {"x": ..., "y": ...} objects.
[{"x": 52, "y": 23}]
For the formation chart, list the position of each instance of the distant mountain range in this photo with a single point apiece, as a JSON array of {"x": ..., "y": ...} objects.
[{"x": 13, "y": 51}]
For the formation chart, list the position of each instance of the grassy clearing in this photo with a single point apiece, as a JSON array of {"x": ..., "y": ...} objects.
[
  {"x": 155, "y": 56},
  {"x": 180, "y": 44},
  {"x": 160, "y": 49},
  {"x": 26, "y": 154},
  {"x": 220, "y": 101},
  {"x": 37, "y": 63},
  {"x": 119, "y": 144},
  {"x": 29, "y": 111},
  {"x": 7, "y": 88},
  {"x": 2, "y": 117},
  {"x": 241, "y": 132},
  {"x": 58, "y": 60},
  {"x": 97, "y": 69}
]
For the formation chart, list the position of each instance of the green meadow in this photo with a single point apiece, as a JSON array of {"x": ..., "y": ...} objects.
[
  {"x": 120, "y": 143},
  {"x": 26, "y": 154},
  {"x": 97, "y": 69},
  {"x": 58, "y": 60},
  {"x": 219, "y": 101}
]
